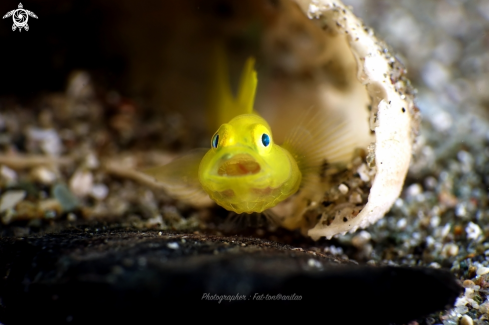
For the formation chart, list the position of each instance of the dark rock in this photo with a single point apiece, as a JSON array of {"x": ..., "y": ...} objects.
[{"x": 94, "y": 275}]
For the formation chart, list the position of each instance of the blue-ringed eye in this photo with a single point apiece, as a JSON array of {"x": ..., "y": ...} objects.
[
  {"x": 215, "y": 141},
  {"x": 265, "y": 139}
]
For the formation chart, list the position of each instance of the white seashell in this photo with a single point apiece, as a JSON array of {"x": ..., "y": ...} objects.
[{"x": 393, "y": 117}]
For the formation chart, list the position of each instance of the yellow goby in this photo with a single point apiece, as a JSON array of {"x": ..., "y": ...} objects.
[{"x": 245, "y": 171}]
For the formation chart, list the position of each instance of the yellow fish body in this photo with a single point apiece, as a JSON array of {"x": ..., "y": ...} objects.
[{"x": 245, "y": 171}]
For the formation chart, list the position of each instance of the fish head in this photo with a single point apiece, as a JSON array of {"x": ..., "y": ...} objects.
[{"x": 245, "y": 171}]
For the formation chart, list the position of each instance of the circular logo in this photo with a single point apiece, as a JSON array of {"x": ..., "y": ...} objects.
[{"x": 20, "y": 17}]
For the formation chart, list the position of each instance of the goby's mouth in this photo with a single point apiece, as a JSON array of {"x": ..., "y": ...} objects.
[{"x": 239, "y": 165}]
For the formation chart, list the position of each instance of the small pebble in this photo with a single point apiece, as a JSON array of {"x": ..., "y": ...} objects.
[
  {"x": 472, "y": 271},
  {"x": 343, "y": 188},
  {"x": 8, "y": 216},
  {"x": 430, "y": 241},
  {"x": 48, "y": 139},
  {"x": 67, "y": 200},
  {"x": 434, "y": 265},
  {"x": 473, "y": 231},
  {"x": 461, "y": 310},
  {"x": 355, "y": 197},
  {"x": 79, "y": 85},
  {"x": 71, "y": 217},
  {"x": 363, "y": 172},
  {"x": 445, "y": 230},
  {"x": 401, "y": 224},
  {"x": 81, "y": 183},
  {"x": 460, "y": 210},
  {"x": 482, "y": 270},
  {"x": 155, "y": 221},
  {"x": 447, "y": 199},
  {"x": 465, "y": 157},
  {"x": 43, "y": 175},
  {"x": 91, "y": 161},
  {"x": 173, "y": 245},
  {"x": 484, "y": 308},
  {"x": 10, "y": 199},
  {"x": 414, "y": 190},
  {"x": 50, "y": 205},
  {"x": 334, "y": 250},
  {"x": 450, "y": 250},
  {"x": 8, "y": 174},
  {"x": 466, "y": 320},
  {"x": 435, "y": 221},
  {"x": 430, "y": 182},
  {"x": 99, "y": 191},
  {"x": 362, "y": 238},
  {"x": 48, "y": 215},
  {"x": 458, "y": 230},
  {"x": 399, "y": 203},
  {"x": 468, "y": 284},
  {"x": 314, "y": 263}
]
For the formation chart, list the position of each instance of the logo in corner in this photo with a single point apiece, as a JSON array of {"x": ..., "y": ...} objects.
[{"x": 20, "y": 17}]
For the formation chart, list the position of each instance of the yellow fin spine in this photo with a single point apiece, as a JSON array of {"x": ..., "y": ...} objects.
[
  {"x": 222, "y": 104},
  {"x": 247, "y": 87}
]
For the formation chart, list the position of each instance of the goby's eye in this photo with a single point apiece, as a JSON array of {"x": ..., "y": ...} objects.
[
  {"x": 215, "y": 141},
  {"x": 265, "y": 139}
]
